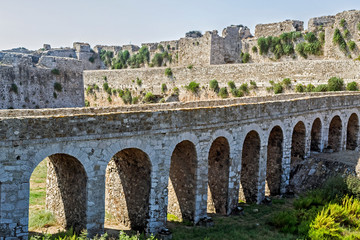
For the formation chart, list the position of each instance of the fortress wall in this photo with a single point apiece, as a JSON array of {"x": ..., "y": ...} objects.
[
  {"x": 35, "y": 84},
  {"x": 305, "y": 72}
]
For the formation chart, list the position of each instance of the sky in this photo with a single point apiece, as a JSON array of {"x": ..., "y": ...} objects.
[{"x": 31, "y": 23}]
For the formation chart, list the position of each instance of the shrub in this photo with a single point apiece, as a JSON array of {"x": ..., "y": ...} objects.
[
  {"x": 55, "y": 71},
  {"x": 149, "y": 97},
  {"x": 105, "y": 78},
  {"x": 168, "y": 72},
  {"x": 105, "y": 86},
  {"x": 352, "y": 86},
  {"x": 300, "y": 48},
  {"x": 339, "y": 40},
  {"x": 14, "y": 88},
  {"x": 135, "y": 100},
  {"x": 335, "y": 84},
  {"x": 310, "y": 87},
  {"x": 157, "y": 59},
  {"x": 57, "y": 86},
  {"x": 126, "y": 97},
  {"x": 190, "y": 66},
  {"x": 113, "y": 91},
  {"x": 237, "y": 92},
  {"x": 300, "y": 88},
  {"x": 245, "y": 58},
  {"x": 163, "y": 88},
  {"x": 161, "y": 47},
  {"x": 322, "y": 37},
  {"x": 278, "y": 88},
  {"x": 254, "y": 49},
  {"x": 352, "y": 45},
  {"x": 138, "y": 81},
  {"x": 223, "y": 92},
  {"x": 286, "y": 82},
  {"x": 263, "y": 45},
  {"x": 244, "y": 87},
  {"x": 313, "y": 48},
  {"x": 193, "y": 87},
  {"x": 346, "y": 33},
  {"x": 214, "y": 85},
  {"x": 321, "y": 88},
  {"x": 288, "y": 49},
  {"x": 231, "y": 85},
  {"x": 310, "y": 37},
  {"x": 253, "y": 84},
  {"x": 342, "y": 22},
  {"x": 109, "y": 99},
  {"x": 87, "y": 103},
  {"x": 176, "y": 91}
]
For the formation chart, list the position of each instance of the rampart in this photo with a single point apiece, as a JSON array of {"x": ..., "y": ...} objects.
[{"x": 316, "y": 72}]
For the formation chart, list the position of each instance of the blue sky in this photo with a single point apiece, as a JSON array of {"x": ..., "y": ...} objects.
[{"x": 30, "y": 23}]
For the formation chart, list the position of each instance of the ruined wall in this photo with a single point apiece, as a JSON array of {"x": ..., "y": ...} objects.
[
  {"x": 275, "y": 29},
  {"x": 317, "y": 23},
  {"x": 29, "y": 84},
  {"x": 314, "y": 72}
]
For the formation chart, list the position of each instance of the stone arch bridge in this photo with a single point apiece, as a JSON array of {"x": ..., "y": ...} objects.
[{"x": 186, "y": 159}]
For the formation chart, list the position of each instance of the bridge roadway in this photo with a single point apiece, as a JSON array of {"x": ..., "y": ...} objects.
[{"x": 186, "y": 159}]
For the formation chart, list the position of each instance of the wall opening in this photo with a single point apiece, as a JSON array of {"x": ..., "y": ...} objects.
[
  {"x": 316, "y": 136},
  {"x": 335, "y": 128},
  {"x": 352, "y": 132},
  {"x": 58, "y": 194},
  {"x": 250, "y": 167},
  {"x": 274, "y": 162},
  {"x": 127, "y": 191},
  {"x": 182, "y": 182},
  {"x": 218, "y": 176}
]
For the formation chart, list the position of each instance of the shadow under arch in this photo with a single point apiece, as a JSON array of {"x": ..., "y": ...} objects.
[
  {"x": 335, "y": 130},
  {"x": 128, "y": 184},
  {"x": 66, "y": 192},
  {"x": 352, "y": 132},
  {"x": 316, "y": 135},
  {"x": 250, "y": 167},
  {"x": 274, "y": 161},
  {"x": 218, "y": 176},
  {"x": 182, "y": 181}
]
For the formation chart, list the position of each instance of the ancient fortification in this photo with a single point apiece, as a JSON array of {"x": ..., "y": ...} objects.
[{"x": 141, "y": 162}]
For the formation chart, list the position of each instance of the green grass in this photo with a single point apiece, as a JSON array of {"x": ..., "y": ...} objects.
[
  {"x": 251, "y": 225},
  {"x": 37, "y": 196},
  {"x": 41, "y": 219}
]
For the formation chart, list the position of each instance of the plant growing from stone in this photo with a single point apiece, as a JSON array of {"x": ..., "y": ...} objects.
[
  {"x": 286, "y": 82},
  {"x": 149, "y": 97},
  {"x": 300, "y": 88},
  {"x": 14, "y": 88},
  {"x": 55, "y": 71},
  {"x": 352, "y": 86},
  {"x": 339, "y": 40},
  {"x": 176, "y": 91},
  {"x": 168, "y": 72},
  {"x": 335, "y": 84},
  {"x": 310, "y": 87},
  {"x": 278, "y": 88},
  {"x": 253, "y": 84},
  {"x": 254, "y": 49},
  {"x": 193, "y": 87},
  {"x": 57, "y": 86},
  {"x": 214, "y": 85},
  {"x": 352, "y": 45},
  {"x": 190, "y": 66},
  {"x": 138, "y": 82},
  {"x": 244, "y": 88},
  {"x": 223, "y": 92},
  {"x": 126, "y": 97},
  {"x": 231, "y": 85},
  {"x": 163, "y": 88},
  {"x": 342, "y": 23}
]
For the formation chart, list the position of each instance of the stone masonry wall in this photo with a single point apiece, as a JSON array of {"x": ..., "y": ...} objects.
[{"x": 315, "y": 72}]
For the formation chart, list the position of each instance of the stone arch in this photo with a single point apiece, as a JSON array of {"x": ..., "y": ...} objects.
[
  {"x": 298, "y": 143},
  {"x": 352, "y": 132},
  {"x": 128, "y": 184},
  {"x": 66, "y": 194},
  {"x": 182, "y": 181},
  {"x": 250, "y": 167},
  {"x": 218, "y": 176},
  {"x": 274, "y": 161},
  {"x": 316, "y": 130},
  {"x": 335, "y": 134}
]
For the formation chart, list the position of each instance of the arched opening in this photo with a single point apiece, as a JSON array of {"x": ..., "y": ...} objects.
[
  {"x": 298, "y": 144},
  {"x": 58, "y": 194},
  {"x": 218, "y": 176},
  {"x": 182, "y": 183},
  {"x": 274, "y": 162},
  {"x": 316, "y": 136},
  {"x": 250, "y": 167},
  {"x": 127, "y": 191},
  {"x": 335, "y": 128},
  {"x": 352, "y": 132}
]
